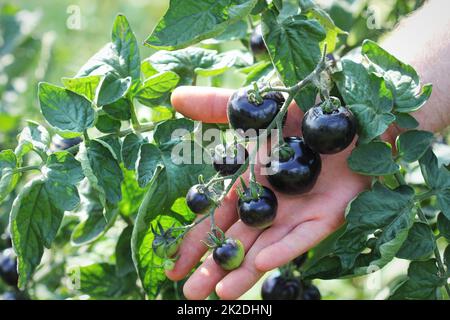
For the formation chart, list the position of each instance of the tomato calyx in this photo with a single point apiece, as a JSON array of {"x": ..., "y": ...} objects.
[
  {"x": 251, "y": 192},
  {"x": 165, "y": 245}
]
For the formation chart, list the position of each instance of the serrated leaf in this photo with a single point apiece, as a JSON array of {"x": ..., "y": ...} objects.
[
  {"x": 406, "y": 121},
  {"x": 156, "y": 86},
  {"x": 294, "y": 48},
  {"x": 189, "y": 62},
  {"x": 102, "y": 170},
  {"x": 132, "y": 195},
  {"x": 403, "y": 79},
  {"x": 34, "y": 222},
  {"x": 106, "y": 124},
  {"x": 113, "y": 88},
  {"x": 62, "y": 166},
  {"x": 443, "y": 225},
  {"x": 97, "y": 217},
  {"x": 130, "y": 149},
  {"x": 379, "y": 208},
  {"x": 127, "y": 48},
  {"x": 33, "y": 136},
  {"x": 422, "y": 283},
  {"x": 124, "y": 259},
  {"x": 368, "y": 98},
  {"x": 8, "y": 179},
  {"x": 373, "y": 159},
  {"x": 119, "y": 110},
  {"x": 84, "y": 86},
  {"x": 187, "y": 22},
  {"x": 412, "y": 144},
  {"x": 64, "y": 109},
  {"x": 100, "y": 281},
  {"x": 438, "y": 179},
  {"x": 419, "y": 244}
]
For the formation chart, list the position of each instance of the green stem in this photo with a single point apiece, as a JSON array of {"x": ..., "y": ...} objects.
[
  {"x": 437, "y": 254},
  {"x": 424, "y": 196},
  {"x": 400, "y": 178},
  {"x": 27, "y": 168},
  {"x": 134, "y": 119},
  {"x": 86, "y": 137}
]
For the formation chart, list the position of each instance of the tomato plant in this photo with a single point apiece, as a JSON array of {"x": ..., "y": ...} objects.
[{"x": 94, "y": 174}]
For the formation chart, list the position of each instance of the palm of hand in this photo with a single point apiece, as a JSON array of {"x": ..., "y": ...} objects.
[{"x": 301, "y": 222}]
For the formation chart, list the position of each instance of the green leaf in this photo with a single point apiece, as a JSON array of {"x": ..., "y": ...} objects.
[
  {"x": 313, "y": 11},
  {"x": 100, "y": 281},
  {"x": 412, "y": 144},
  {"x": 106, "y": 124},
  {"x": 64, "y": 109},
  {"x": 234, "y": 31},
  {"x": 443, "y": 225},
  {"x": 156, "y": 86},
  {"x": 190, "y": 62},
  {"x": 130, "y": 149},
  {"x": 373, "y": 159},
  {"x": 422, "y": 283},
  {"x": 257, "y": 71},
  {"x": 62, "y": 167},
  {"x": 294, "y": 48},
  {"x": 119, "y": 110},
  {"x": 438, "y": 179},
  {"x": 112, "y": 89},
  {"x": 33, "y": 136},
  {"x": 102, "y": 170},
  {"x": 419, "y": 244},
  {"x": 84, "y": 86},
  {"x": 124, "y": 259},
  {"x": 403, "y": 79},
  {"x": 127, "y": 48},
  {"x": 164, "y": 188},
  {"x": 8, "y": 179},
  {"x": 187, "y": 22},
  {"x": 406, "y": 121},
  {"x": 368, "y": 98},
  {"x": 113, "y": 144},
  {"x": 97, "y": 217},
  {"x": 132, "y": 195},
  {"x": 379, "y": 208},
  {"x": 34, "y": 222},
  {"x": 447, "y": 257}
]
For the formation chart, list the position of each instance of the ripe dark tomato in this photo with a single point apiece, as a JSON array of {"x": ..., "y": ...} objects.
[
  {"x": 231, "y": 160},
  {"x": 59, "y": 143},
  {"x": 311, "y": 292},
  {"x": 277, "y": 287},
  {"x": 8, "y": 267},
  {"x": 244, "y": 114},
  {"x": 197, "y": 200},
  {"x": 257, "y": 44},
  {"x": 165, "y": 247},
  {"x": 296, "y": 173},
  {"x": 300, "y": 260},
  {"x": 229, "y": 255},
  {"x": 328, "y": 132},
  {"x": 258, "y": 212}
]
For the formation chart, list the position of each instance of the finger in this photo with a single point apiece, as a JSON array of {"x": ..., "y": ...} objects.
[
  {"x": 305, "y": 236},
  {"x": 204, "y": 279},
  {"x": 202, "y": 103},
  {"x": 192, "y": 249},
  {"x": 239, "y": 281}
]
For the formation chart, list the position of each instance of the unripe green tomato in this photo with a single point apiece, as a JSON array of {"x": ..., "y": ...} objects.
[{"x": 165, "y": 248}]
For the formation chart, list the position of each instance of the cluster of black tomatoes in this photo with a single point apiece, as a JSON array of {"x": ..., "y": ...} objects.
[
  {"x": 288, "y": 286},
  {"x": 294, "y": 167}
]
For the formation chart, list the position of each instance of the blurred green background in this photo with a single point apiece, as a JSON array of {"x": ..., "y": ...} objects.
[{"x": 68, "y": 32}]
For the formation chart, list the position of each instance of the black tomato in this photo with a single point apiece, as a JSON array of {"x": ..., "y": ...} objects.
[
  {"x": 230, "y": 160},
  {"x": 258, "y": 212},
  {"x": 257, "y": 44},
  {"x": 328, "y": 132},
  {"x": 229, "y": 255},
  {"x": 244, "y": 114},
  {"x": 197, "y": 200},
  {"x": 297, "y": 172},
  {"x": 8, "y": 267},
  {"x": 311, "y": 292},
  {"x": 277, "y": 287}
]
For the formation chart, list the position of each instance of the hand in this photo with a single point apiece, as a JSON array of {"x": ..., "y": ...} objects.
[{"x": 301, "y": 222}]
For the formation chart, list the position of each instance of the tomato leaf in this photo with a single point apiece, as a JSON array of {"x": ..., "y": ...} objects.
[
  {"x": 412, "y": 144},
  {"x": 374, "y": 159},
  {"x": 419, "y": 244},
  {"x": 8, "y": 179}
]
